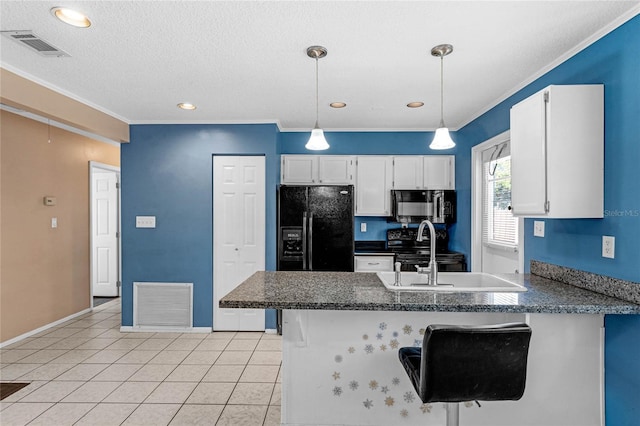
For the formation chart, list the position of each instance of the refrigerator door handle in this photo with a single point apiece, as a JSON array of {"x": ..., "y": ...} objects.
[
  {"x": 311, "y": 241},
  {"x": 304, "y": 241}
]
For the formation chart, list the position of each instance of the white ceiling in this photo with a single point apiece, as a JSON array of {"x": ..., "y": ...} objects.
[{"x": 246, "y": 62}]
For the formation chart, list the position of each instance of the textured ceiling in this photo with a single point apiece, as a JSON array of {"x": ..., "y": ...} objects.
[{"x": 246, "y": 62}]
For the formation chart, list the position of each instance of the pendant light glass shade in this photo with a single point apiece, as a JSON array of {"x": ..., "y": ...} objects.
[
  {"x": 317, "y": 141},
  {"x": 442, "y": 139}
]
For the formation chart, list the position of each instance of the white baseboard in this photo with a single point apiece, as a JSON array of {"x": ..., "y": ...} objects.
[
  {"x": 271, "y": 331},
  {"x": 43, "y": 328},
  {"x": 131, "y": 329}
]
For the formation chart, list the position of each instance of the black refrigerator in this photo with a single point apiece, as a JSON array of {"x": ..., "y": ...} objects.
[{"x": 315, "y": 228}]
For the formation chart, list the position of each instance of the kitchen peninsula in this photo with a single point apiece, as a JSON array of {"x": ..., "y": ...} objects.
[{"x": 342, "y": 331}]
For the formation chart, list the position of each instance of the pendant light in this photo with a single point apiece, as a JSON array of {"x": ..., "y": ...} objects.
[
  {"x": 442, "y": 139},
  {"x": 317, "y": 142}
]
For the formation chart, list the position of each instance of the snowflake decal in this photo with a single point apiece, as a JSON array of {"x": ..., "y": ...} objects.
[
  {"x": 395, "y": 381},
  {"x": 394, "y": 344},
  {"x": 404, "y": 413},
  {"x": 373, "y": 385},
  {"x": 368, "y": 349},
  {"x": 388, "y": 401},
  {"x": 367, "y": 403},
  {"x": 395, "y": 334},
  {"x": 408, "y": 397},
  {"x": 421, "y": 331},
  {"x": 353, "y": 385},
  {"x": 365, "y": 337},
  {"x": 379, "y": 336},
  {"x": 417, "y": 343},
  {"x": 337, "y": 391},
  {"x": 383, "y": 348},
  {"x": 383, "y": 326},
  {"x": 407, "y": 329},
  {"x": 338, "y": 358},
  {"x": 351, "y": 349},
  {"x": 384, "y": 389},
  {"x": 425, "y": 408},
  {"x": 336, "y": 375}
]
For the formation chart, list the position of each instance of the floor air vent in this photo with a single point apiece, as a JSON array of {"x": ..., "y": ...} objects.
[
  {"x": 35, "y": 43},
  {"x": 163, "y": 306}
]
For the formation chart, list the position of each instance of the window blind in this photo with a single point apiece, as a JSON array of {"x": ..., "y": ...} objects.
[{"x": 500, "y": 227}]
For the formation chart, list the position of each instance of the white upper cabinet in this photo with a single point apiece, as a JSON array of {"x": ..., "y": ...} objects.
[
  {"x": 557, "y": 153},
  {"x": 317, "y": 169},
  {"x": 407, "y": 172},
  {"x": 439, "y": 172},
  {"x": 335, "y": 169},
  {"x": 424, "y": 172},
  {"x": 373, "y": 185},
  {"x": 299, "y": 169},
  {"x": 374, "y": 176}
]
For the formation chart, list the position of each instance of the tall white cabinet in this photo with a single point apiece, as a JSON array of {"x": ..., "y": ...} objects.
[
  {"x": 373, "y": 185},
  {"x": 557, "y": 153}
]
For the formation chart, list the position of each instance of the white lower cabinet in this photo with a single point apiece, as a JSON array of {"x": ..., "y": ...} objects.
[
  {"x": 372, "y": 263},
  {"x": 373, "y": 185}
]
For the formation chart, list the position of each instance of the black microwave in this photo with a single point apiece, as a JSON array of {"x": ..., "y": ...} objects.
[{"x": 415, "y": 205}]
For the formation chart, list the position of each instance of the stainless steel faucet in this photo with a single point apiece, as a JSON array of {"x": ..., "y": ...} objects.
[{"x": 433, "y": 266}]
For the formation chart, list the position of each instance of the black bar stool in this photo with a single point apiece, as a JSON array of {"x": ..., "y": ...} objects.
[{"x": 469, "y": 363}]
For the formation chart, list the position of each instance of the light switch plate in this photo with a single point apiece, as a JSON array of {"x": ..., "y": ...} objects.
[
  {"x": 538, "y": 228},
  {"x": 608, "y": 246},
  {"x": 54, "y": 222},
  {"x": 145, "y": 221},
  {"x": 363, "y": 227}
]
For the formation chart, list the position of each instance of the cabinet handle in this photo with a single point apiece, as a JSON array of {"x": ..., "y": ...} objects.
[{"x": 373, "y": 263}]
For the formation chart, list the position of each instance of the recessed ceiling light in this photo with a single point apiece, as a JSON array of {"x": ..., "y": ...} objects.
[
  {"x": 415, "y": 104},
  {"x": 337, "y": 104},
  {"x": 71, "y": 17},
  {"x": 186, "y": 105}
]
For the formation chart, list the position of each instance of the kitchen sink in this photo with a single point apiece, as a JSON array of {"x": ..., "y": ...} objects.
[{"x": 450, "y": 282}]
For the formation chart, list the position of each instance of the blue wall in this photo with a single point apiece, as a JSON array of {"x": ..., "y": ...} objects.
[
  {"x": 167, "y": 173},
  {"x": 613, "y": 61}
]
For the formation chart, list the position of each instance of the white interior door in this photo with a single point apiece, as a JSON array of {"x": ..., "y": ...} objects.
[
  {"x": 238, "y": 235},
  {"x": 104, "y": 232}
]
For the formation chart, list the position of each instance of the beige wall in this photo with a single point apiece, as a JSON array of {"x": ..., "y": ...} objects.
[
  {"x": 24, "y": 94},
  {"x": 44, "y": 272}
]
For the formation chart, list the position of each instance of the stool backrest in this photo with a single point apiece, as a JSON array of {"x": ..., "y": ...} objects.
[{"x": 467, "y": 363}]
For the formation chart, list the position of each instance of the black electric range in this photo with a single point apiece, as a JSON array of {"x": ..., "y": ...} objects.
[{"x": 411, "y": 253}]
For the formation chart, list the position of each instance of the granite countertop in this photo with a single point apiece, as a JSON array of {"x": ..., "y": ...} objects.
[{"x": 364, "y": 291}]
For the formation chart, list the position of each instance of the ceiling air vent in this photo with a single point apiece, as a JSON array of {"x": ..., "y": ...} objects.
[{"x": 32, "y": 41}]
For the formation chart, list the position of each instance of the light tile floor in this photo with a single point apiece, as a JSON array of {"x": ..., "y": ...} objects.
[{"x": 86, "y": 372}]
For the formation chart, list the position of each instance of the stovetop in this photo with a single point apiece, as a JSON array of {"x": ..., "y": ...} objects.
[{"x": 404, "y": 239}]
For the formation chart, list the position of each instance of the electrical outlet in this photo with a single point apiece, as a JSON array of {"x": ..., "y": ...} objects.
[
  {"x": 363, "y": 227},
  {"x": 145, "y": 221},
  {"x": 538, "y": 228},
  {"x": 608, "y": 246}
]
